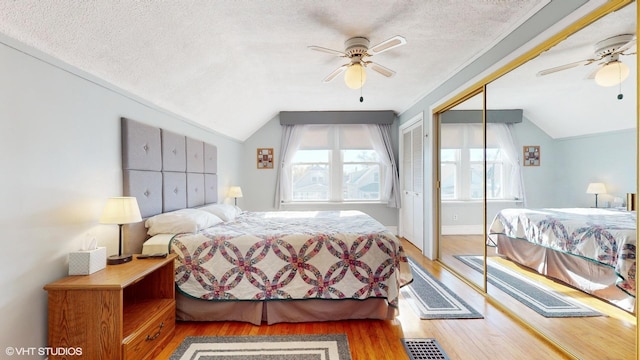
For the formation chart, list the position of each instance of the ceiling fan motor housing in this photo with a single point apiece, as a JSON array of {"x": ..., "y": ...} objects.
[
  {"x": 356, "y": 46},
  {"x": 608, "y": 46}
]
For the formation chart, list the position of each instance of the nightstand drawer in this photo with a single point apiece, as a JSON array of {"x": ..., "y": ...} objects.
[{"x": 151, "y": 336}]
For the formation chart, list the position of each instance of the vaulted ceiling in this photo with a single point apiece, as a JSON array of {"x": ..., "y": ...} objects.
[{"x": 231, "y": 66}]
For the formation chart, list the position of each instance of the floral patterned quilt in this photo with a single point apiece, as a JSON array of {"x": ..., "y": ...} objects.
[
  {"x": 602, "y": 235},
  {"x": 292, "y": 255}
]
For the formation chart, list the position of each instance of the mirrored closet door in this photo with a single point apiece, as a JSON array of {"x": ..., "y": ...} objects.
[
  {"x": 461, "y": 196},
  {"x": 545, "y": 139},
  {"x": 571, "y": 132}
]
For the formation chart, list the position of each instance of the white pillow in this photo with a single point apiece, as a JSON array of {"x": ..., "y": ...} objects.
[
  {"x": 202, "y": 218},
  {"x": 223, "y": 211},
  {"x": 181, "y": 221}
]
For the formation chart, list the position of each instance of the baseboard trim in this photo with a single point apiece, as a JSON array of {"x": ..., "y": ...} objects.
[{"x": 462, "y": 230}]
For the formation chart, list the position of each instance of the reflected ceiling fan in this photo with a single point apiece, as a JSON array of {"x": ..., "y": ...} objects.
[
  {"x": 611, "y": 71},
  {"x": 357, "y": 50}
]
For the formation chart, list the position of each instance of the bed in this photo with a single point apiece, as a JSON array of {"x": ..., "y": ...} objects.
[
  {"x": 252, "y": 266},
  {"x": 344, "y": 263},
  {"x": 591, "y": 249}
]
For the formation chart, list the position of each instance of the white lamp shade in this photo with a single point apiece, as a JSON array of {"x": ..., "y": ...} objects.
[
  {"x": 596, "y": 188},
  {"x": 355, "y": 76},
  {"x": 121, "y": 210},
  {"x": 235, "y": 192},
  {"x": 612, "y": 74}
]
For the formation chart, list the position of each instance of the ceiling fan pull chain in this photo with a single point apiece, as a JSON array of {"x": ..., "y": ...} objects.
[
  {"x": 361, "y": 98},
  {"x": 620, "y": 96}
]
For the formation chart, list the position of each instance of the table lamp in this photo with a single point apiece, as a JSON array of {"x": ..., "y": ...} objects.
[
  {"x": 120, "y": 211},
  {"x": 235, "y": 192},
  {"x": 596, "y": 188}
]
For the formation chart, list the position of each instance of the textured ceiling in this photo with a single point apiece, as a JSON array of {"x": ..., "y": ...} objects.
[{"x": 233, "y": 65}]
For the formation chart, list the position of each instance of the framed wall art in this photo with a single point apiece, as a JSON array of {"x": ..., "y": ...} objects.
[
  {"x": 265, "y": 158},
  {"x": 531, "y": 155}
]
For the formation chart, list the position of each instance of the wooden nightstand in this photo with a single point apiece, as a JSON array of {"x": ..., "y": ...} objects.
[{"x": 125, "y": 311}]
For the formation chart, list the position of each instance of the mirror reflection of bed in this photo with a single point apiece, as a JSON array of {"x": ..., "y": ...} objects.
[{"x": 582, "y": 134}]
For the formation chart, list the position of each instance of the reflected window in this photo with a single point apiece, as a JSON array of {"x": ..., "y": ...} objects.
[{"x": 461, "y": 161}]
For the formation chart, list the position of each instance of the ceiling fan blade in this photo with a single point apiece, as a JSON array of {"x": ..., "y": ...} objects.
[
  {"x": 330, "y": 51},
  {"x": 565, "y": 67},
  {"x": 335, "y": 73},
  {"x": 380, "y": 69},
  {"x": 388, "y": 45}
]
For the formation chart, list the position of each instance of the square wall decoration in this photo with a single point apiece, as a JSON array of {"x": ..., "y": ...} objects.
[
  {"x": 265, "y": 158},
  {"x": 531, "y": 155}
]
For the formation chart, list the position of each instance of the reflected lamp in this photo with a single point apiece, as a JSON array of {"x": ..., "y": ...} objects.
[{"x": 596, "y": 188}]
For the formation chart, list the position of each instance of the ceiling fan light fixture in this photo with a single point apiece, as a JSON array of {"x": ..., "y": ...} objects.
[
  {"x": 612, "y": 74},
  {"x": 355, "y": 76}
]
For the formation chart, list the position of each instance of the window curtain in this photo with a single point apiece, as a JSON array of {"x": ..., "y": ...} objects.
[
  {"x": 503, "y": 136},
  {"x": 381, "y": 142},
  {"x": 291, "y": 139}
]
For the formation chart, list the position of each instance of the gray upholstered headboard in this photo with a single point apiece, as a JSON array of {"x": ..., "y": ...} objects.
[{"x": 165, "y": 171}]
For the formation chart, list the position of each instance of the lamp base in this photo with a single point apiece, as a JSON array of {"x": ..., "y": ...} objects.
[{"x": 119, "y": 259}]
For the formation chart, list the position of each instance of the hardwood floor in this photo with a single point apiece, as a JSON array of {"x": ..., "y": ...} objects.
[
  {"x": 497, "y": 336},
  {"x": 606, "y": 337}
]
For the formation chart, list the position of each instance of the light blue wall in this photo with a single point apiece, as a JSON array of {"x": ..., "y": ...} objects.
[
  {"x": 539, "y": 181},
  {"x": 260, "y": 184},
  {"x": 568, "y": 165},
  {"x": 60, "y": 159},
  {"x": 609, "y": 158}
]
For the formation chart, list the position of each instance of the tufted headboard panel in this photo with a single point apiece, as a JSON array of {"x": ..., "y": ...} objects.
[{"x": 165, "y": 171}]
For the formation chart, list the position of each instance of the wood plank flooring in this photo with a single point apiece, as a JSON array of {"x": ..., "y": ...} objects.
[{"x": 495, "y": 337}]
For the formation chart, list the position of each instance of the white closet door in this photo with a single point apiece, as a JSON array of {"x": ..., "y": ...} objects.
[
  {"x": 411, "y": 212},
  {"x": 406, "y": 209},
  {"x": 418, "y": 174}
]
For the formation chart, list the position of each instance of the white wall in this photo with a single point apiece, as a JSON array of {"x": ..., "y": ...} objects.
[{"x": 60, "y": 160}]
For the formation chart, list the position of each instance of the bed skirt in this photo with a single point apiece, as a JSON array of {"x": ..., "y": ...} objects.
[
  {"x": 278, "y": 311},
  {"x": 588, "y": 276}
]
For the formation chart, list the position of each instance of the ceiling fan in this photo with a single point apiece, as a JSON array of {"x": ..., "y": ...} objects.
[
  {"x": 357, "y": 50},
  {"x": 611, "y": 71}
]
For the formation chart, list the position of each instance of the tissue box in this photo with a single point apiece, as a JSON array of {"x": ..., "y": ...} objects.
[{"x": 85, "y": 262}]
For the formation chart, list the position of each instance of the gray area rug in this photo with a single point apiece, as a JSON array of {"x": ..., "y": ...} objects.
[
  {"x": 430, "y": 299},
  {"x": 259, "y": 347},
  {"x": 539, "y": 298}
]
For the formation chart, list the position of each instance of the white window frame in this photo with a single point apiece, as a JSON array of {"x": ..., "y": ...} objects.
[{"x": 336, "y": 171}]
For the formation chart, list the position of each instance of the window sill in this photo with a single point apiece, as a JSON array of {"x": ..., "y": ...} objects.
[{"x": 330, "y": 203}]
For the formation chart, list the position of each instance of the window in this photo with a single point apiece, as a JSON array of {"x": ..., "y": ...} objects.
[
  {"x": 310, "y": 175},
  {"x": 336, "y": 163},
  {"x": 461, "y": 159}
]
